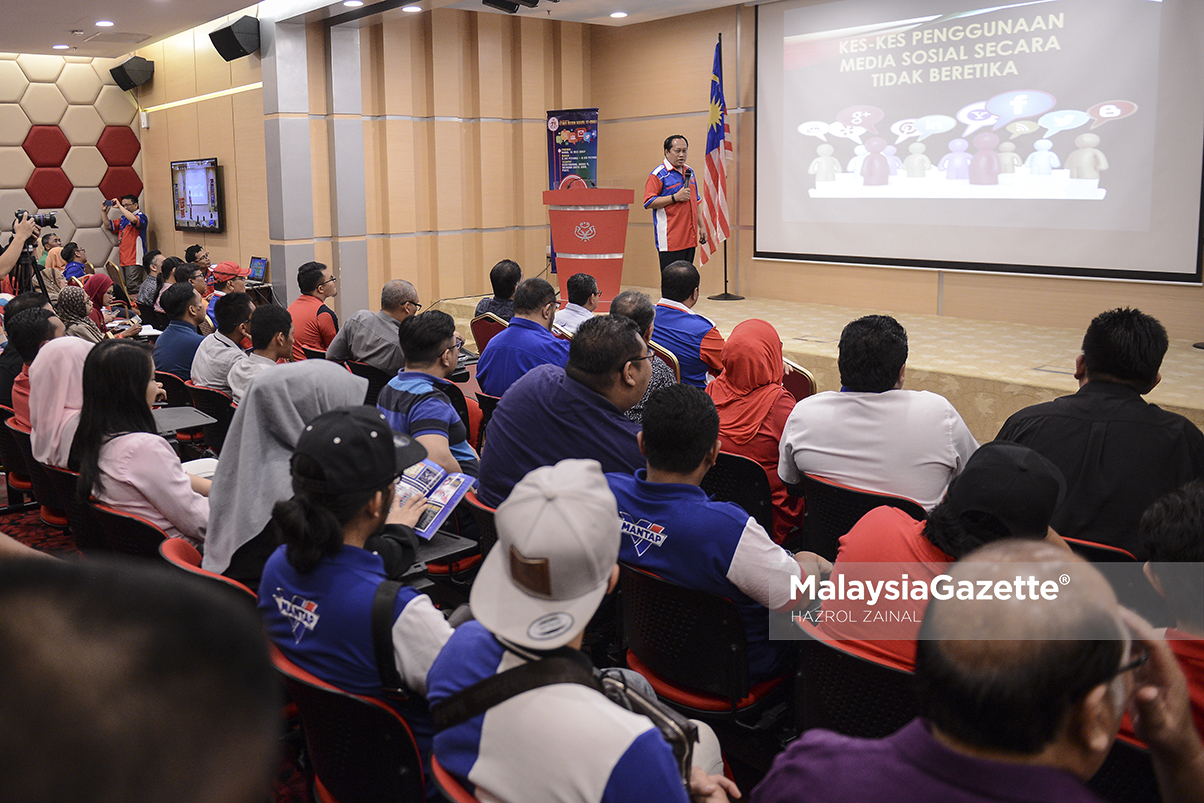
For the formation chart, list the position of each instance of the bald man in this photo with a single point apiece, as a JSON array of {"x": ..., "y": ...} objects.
[
  {"x": 371, "y": 337},
  {"x": 1019, "y": 698}
]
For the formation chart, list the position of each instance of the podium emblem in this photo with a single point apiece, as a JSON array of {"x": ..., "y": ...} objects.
[{"x": 585, "y": 231}]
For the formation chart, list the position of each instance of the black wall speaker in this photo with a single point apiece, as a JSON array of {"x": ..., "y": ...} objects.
[
  {"x": 135, "y": 72},
  {"x": 237, "y": 40}
]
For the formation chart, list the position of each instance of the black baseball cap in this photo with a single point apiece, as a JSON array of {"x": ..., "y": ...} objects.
[
  {"x": 355, "y": 449},
  {"x": 1011, "y": 482}
]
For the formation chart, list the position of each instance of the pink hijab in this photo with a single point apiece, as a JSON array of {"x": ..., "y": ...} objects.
[
  {"x": 97, "y": 285},
  {"x": 751, "y": 381},
  {"x": 56, "y": 394}
]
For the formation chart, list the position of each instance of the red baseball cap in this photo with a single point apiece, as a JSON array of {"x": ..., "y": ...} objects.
[{"x": 225, "y": 271}]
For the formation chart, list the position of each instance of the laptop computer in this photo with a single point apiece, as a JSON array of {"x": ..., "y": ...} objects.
[{"x": 258, "y": 266}]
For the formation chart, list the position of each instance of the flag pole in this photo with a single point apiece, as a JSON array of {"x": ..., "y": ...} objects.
[{"x": 725, "y": 295}]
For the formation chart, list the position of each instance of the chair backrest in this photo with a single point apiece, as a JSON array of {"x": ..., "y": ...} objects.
[
  {"x": 313, "y": 354},
  {"x": 800, "y": 382},
  {"x": 10, "y": 455},
  {"x": 1124, "y": 572},
  {"x": 735, "y": 478},
  {"x": 119, "y": 291},
  {"x": 377, "y": 379},
  {"x": 668, "y": 357},
  {"x": 686, "y": 637},
  {"x": 1099, "y": 553},
  {"x": 833, "y": 509},
  {"x": 218, "y": 404},
  {"x": 487, "y": 404},
  {"x": 43, "y": 491},
  {"x": 128, "y": 533},
  {"x": 449, "y": 785},
  {"x": 150, "y": 316},
  {"x": 183, "y": 555},
  {"x": 1127, "y": 776},
  {"x": 362, "y": 751},
  {"x": 843, "y": 692},
  {"x": 177, "y": 391},
  {"x": 561, "y": 333},
  {"x": 484, "y": 327},
  {"x": 86, "y": 529},
  {"x": 483, "y": 515}
]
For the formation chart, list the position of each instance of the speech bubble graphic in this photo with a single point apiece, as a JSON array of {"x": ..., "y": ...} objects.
[
  {"x": 1062, "y": 120},
  {"x": 861, "y": 116},
  {"x": 905, "y": 129},
  {"x": 846, "y": 132},
  {"x": 975, "y": 116},
  {"x": 1022, "y": 127},
  {"x": 934, "y": 124},
  {"x": 814, "y": 128},
  {"x": 1019, "y": 103},
  {"x": 1111, "y": 110}
]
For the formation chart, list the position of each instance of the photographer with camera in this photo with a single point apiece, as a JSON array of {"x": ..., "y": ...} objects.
[
  {"x": 130, "y": 229},
  {"x": 25, "y": 232}
]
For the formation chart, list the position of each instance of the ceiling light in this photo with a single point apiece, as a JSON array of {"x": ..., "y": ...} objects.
[
  {"x": 353, "y": 3},
  {"x": 104, "y": 23},
  {"x": 618, "y": 15},
  {"x": 411, "y": 9},
  {"x": 502, "y": 5},
  {"x": 62, "y": 47}
]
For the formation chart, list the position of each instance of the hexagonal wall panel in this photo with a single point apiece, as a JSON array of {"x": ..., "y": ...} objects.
[
  {"x": 10, "y": 201},
  {"x": 79, "y": 83},
  {"x": 16, "y": 168},
  {"x": 46, "y": 145},
  {"x": 118, "y": 145},
  {"x": 43, "y": 69},
  {"x": 85, "y": 167},
  {"x": 14, "y": 125},
  {"x": 43, "y": 104},
  {"x": 12, "y": 82},
  {"x": 48, "y": 187},
  {"x": 64, "y": 226},
  {"x": 119, "y": 181},
  {"x": 114, "y": 106},
  {"x": 84, "y": 207},
  {"x": 81, "y": 125},
  {"x": 96, "y": 242}
]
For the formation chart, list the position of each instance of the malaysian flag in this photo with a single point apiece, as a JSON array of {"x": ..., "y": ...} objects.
[{"x": 719, "y": 151}]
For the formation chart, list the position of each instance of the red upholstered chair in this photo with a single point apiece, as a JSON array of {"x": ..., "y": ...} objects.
[
  {"x": 1124, "y": 571},
  {"x": 666, "y": 356},
  {"x": 128, "y": 533},
  {"x": 483, "y": 514},
  {"x": 484, "y": 327},
  {"x": 178, "y": 396},
  {"x": 184, "y": 555},
  {"x": 800, "y": 382},
  {"x": 217, "y": 403},
  {"x": 86, "y": 530},
  {"x": 16, "y": 474},
  {"x": 361, "y": 750},
  {"x": 691, "y": 646},
  {"x": 487, "y": 405},
  {"x": 561, "y": 333},
  {"x": 449, "y": 785},
  {"x": 735, "y": 478},
  {"x": 52, "y": 511}
]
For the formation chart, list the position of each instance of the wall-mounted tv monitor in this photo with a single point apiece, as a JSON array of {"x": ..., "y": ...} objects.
[{"x": 196, "y": 191}]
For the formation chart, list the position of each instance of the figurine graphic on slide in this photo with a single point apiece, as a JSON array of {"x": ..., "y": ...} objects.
[
  {"x": 984, "y": 167},
  {"x": 1042, "y": 161},
  {"x": 896, "y": 164},
  {"x": 859, "y": 154},
  {"x": 1008, "y": 160},
  {"x": 875, "y": 170},
  {"x": 956, "y": 163},
  {"x": 825, "y": 166},
  {"x": 917, "y": 164},
  {"x": 1087, "y": 161}
]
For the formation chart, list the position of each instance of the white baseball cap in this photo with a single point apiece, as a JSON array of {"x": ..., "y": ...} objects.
[{"x": 558, "y": 542}]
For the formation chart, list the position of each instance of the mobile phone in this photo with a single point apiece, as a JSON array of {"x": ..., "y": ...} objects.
[{"x": 108, "y": 204}]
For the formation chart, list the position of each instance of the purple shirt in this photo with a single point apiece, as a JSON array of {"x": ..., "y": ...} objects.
[{"x": 909, "y": 766}]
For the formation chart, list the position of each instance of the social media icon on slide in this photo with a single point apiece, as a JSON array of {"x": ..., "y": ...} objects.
[
  {"x": 1019, "y": 103},
  {"x": 1063, "y": 120}
]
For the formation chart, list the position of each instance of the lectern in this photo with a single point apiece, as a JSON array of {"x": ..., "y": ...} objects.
[{"x": 589, "y": 232}]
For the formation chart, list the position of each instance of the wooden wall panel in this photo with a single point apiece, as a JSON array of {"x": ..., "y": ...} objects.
[{"x": 319, "y": 163}]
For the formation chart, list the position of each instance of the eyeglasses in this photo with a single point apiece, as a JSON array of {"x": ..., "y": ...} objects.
[
  {"x": 647, "y": 356},
  {"x": 455, "y": 346},
  {"x": 417, "y": 306},
  {"x": 329, "y": 281},
  {"x": 1138, "y": 662}
]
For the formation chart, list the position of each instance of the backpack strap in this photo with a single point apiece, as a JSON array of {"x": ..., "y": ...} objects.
[
  {"x": 480, "y": 697},
  {"x": 382, "y": 635}
]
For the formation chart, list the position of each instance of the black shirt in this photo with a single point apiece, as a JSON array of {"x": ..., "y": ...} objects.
[
  {"x": 1118, "y": 452},
  {"x": 10, "y": 365}
]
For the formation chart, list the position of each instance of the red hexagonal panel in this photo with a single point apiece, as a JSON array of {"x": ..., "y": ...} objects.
[
  {"x": 47, "y": 146},
  {"x": 49, "y": 187},
  {"x": 119, "y": 181},
  {"x": 118, "y": 145}
]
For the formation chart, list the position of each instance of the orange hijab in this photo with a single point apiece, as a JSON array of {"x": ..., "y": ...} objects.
[
  {"x": 54, "y": 259},
  {"x": 751, "y": 380}
]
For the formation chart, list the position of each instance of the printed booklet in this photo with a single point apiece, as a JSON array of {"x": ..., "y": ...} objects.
[{"x": 443, "y": 492}]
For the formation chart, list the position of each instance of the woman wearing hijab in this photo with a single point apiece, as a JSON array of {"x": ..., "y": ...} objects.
[
  {"x": 74, "y": 310},
  {"x": 56, "y": 394},
  {"x": 253, "y": 473},
  {"x": 753, "y": 408},
  {"x": 99, "y": 289},
  {"x": 52, "y": 274}
]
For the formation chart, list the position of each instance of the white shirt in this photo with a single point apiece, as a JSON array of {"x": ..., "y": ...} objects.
[
  {"x": 243, "y": 371},
  {"x": 908, "y": 443},
  {"x": 572, "y": 316},
  {"x": 212, "y": 361}
]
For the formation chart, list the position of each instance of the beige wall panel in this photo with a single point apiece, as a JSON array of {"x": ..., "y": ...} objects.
[
  {"x": 533, "y": 179},
  {"x": 376, "y": 177},
  {"x": 453, "y": 194},
  {"x": 536, "y": 67},
  {"x": 251, "y": 192},
  {"x": 402, "y": 54},
  {"x": 454, "y": 61},
  {"x": 372, "y": 70},
  {"x": 865, "y": 288},
  {"x": 496, "y": 174},
  {"x": 178, "y": 67},
  {"x": 425, "y": 170},
  {"x": 629, "y": 150},
  {"x": 153, "y": 92},
  {"x": 452, "y": 255},
  {"x": 472, "y": 166},
  {"x": 495, "y": 246},
  {"x": 641, "y": 264},
  {"x": 572, "y": 60},
  {"x": 316, "y": 61},
  {"x": 247, "y": 70},
  {"x": 420, "y": 253},
  {"x": 212, "y": 71},
  {"x": 320, "y": 165},
  {"x": 533, "y": 247},
  {"x": 216, "y": 137},
  {"x": 156, "y": 178},
  {"x": 398, "y": 165},
  {"x": 183, "y": 140},
  {"x": 379, "y": 269},
  {"x": 494, "y": 77}
]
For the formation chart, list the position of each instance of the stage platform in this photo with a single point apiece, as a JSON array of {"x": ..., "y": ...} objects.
[{"x": 988, "y": 369}]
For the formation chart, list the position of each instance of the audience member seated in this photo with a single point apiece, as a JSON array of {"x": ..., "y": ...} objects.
[
  {"x": 672, "y": 529},
  {"x": 52, "y": 274},
  {"x": 148, "y": 291},
  {"x": 314, "y": 323},
  {"x": 56, "y": 395},
  {"x": 526, "y": 343},
  {"x": 76, "y": 268},
  {"x": 74, "y": 309},
  {"x": 197, "y": 255},
  {"x": 583, "y": 300},
  {"x": 371, "y": 337},
  {"x": 555, "y": 413},
  {"x": 1012, "y": 705},
  {"x": 271, "y": 332},
  {"x": 1005, "y": 491},
  {"x": 219, "y": 351},
  {"x": 177, "y": 346},
  {"x": 561, "y": 740},
  {"x": 318, "y": 587},
  {"x": 253, "y": 473},
  {"x": 753, "y": 408},
  {"x": 174, "y": 270},
  {"x": 49, "y": 240},
  {"x": 873, "y": 435},
  {"x": 504, "y": 276},
  {"x": 28, "y": 331},
  {"x": 121, "y": 458},
  {"x": 132, "y": 683},
  {"x": 11, "y": 361},
  {"x": 693, "y": 339},
  {"x": 639, "y": 308},
  {"x": 228, "y": 277},
  {"x": 1119, "y": 453},
  {"x": 414, "y": 403},
  {"x": 99, "y": 289}
]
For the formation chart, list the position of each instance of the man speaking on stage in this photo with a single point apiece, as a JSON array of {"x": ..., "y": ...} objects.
[{"x": 672, "y": 194}]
